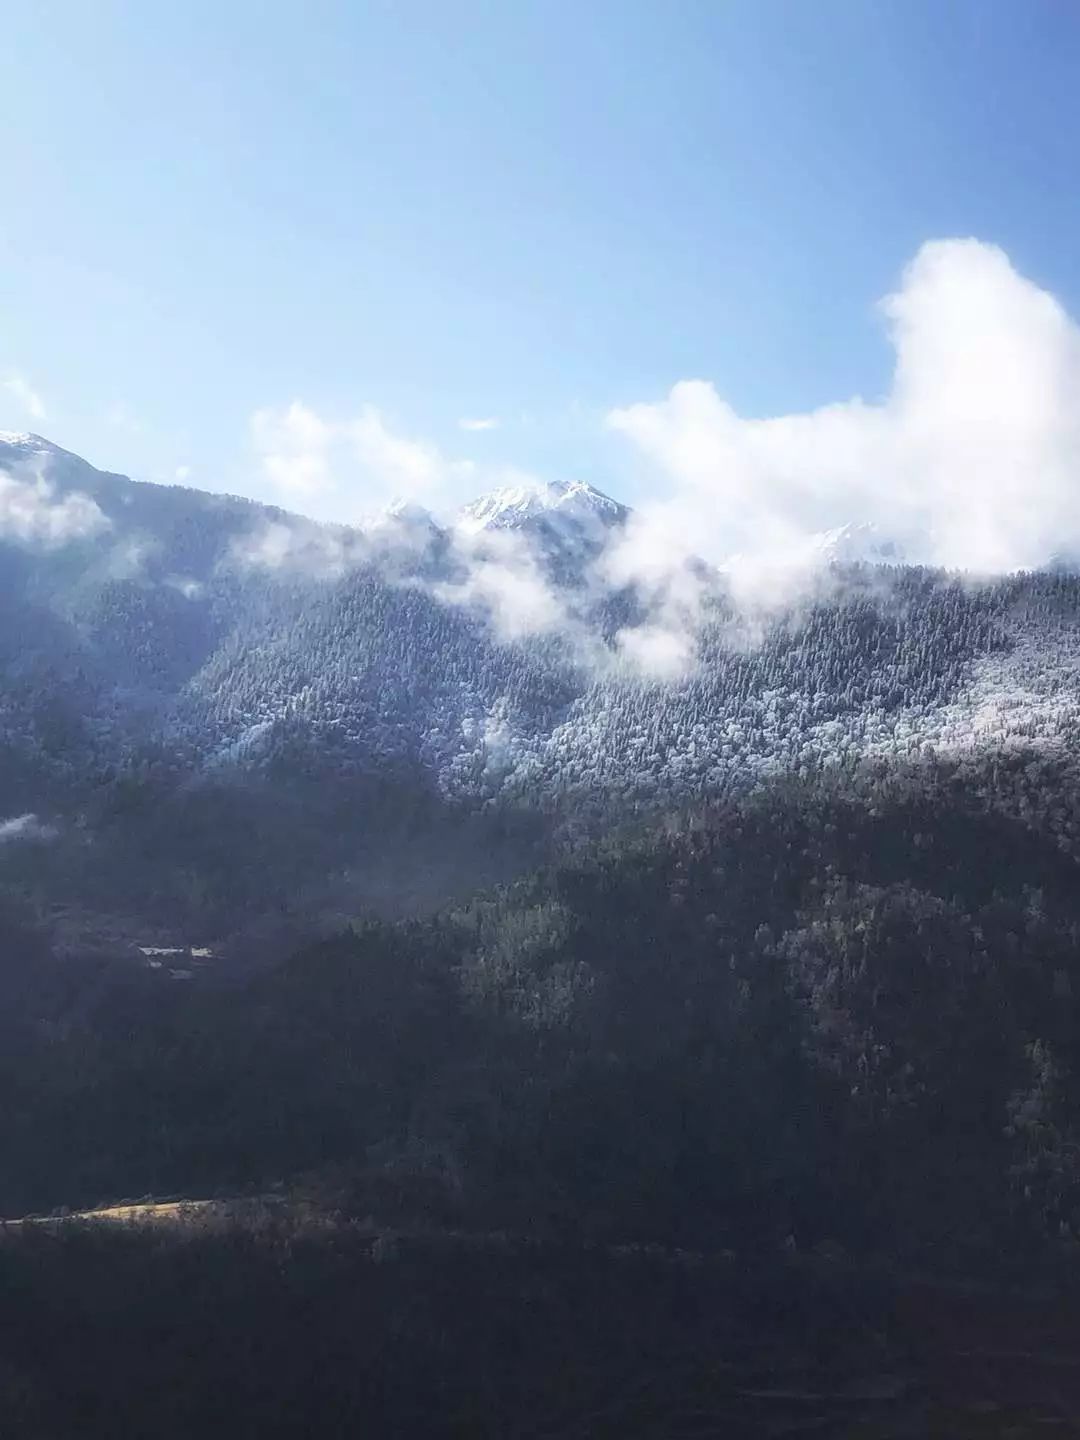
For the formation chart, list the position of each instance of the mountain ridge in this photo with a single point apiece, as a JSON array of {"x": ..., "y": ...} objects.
[
  {"x": 556, "y": 511},
  {"x": 207, "y": 679},
  {"x": 510, "y": 507}
]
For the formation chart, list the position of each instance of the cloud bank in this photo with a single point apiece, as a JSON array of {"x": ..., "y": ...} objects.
[{"x": 971, "y": 461}]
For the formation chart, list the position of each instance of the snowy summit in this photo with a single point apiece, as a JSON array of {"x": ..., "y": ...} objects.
[
  {"x": 858, "y": 544},
  {"x": 400, "y": 513},
  {"x": 25, "y": 440},
  {"x": 515, "y": 506}
]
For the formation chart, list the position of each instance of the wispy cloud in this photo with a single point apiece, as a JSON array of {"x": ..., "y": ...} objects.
[
  {"x": 299, "y": 547},
  {"x": 26, "y": 396},
  {"x": 398, "y": 466},
  {"x": 33, "y": 513},
  {"x": 491, "y": 423},
  {"x": 120, "y": 416},
  {"x": 500, "y": 575},
  {"x": 24, "y": 827}
]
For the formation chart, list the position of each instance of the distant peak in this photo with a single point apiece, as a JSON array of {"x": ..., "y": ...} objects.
[
  {"x": 400, "y": 514},
  {"x": 514, "y": 505},
  {"x": 401, "y": 508},
  {"x": 857, "y": 543},
  {"x": 26, "y": 440}
]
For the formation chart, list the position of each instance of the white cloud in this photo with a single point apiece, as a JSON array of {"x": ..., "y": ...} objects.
[
  {"x": 398, "y": 467},
  {"x": 127, "y": 558},
  {"x": 32, "y": 513},
  {"x": 296, "y": 546},
  {"x": 341, "y": 470},
  {"x": 502, "y": 578},
  {"x": 657, "y": 651},
  {"x": 24, "y": 827},
  {"x": 971, "y": 460},
  {"x": 491, "y": 423},
  {"x": 26, "y": 396},
  {"x": 189, "y": 588},
  {"x": 346, "y": 470},
  {"x": 974, "y": 454},
  {"x": 182, "y": 474},
  {"x": 294, "y": 445}
]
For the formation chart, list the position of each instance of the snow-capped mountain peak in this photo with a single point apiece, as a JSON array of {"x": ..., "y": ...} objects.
[
  {"x": 400, "y": 512},
  {"x": 514, "y": 506},
  {"x": 28, "y": 443},
  {"x": 858, "y": 544}
]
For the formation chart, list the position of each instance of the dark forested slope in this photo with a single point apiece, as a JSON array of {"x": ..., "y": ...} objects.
[{"x": 839, "y": 1008}]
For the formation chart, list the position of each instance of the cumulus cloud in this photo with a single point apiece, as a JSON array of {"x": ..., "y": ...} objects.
[
  {"x": 402, "y": 468},
  {"x": 491, "y": 423},
  {"x": 25, "y": 396},
  {"x": 972, "y": 460},
  {"x": 294, "y": 446},
  {"x": 346, "y": 470}
]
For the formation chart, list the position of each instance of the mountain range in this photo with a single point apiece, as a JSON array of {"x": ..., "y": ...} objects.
[{"x": 202, "y": 696}]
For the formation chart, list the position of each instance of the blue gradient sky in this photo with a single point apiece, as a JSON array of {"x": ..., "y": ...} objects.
[{"x": 534, "y": 212}]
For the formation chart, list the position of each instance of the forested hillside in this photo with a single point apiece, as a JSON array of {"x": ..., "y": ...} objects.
[
  {"x": 839, "y": 1008},
  {"x": 792, "y": 952},
  {"x": 212, "y": 711}
]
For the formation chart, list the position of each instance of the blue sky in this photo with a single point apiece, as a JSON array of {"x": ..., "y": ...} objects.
[{"x": 538, "y": 213}]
